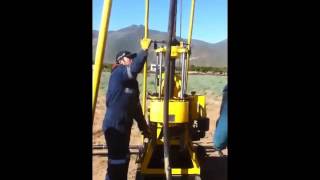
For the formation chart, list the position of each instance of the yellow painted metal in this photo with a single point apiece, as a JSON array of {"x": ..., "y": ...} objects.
[
  {"x": 202, "y": 106},
  {"x": 197, "y": 106},
  {"x": 193, "y": 101},
  {"x": 144, "y": 43},
  {"x": 159, "y": 127},
  {"x": 147, "y": 157},
  {"x": 174, "y": 171},
  {"x": 146, "y": 33},
  {"x": 175, "y": 51},
  {"x": 178, "y": 111},
  {"x": 195, "y": 162},
  {"x": 190, "y": 34},
  {"x": 194, "y": 170},
  {"x": 146, "y": 19},
  {"x": 144, "y": 88},
  {"x": 102, "y": 39},
  {"x": 181, "y": 50},
  {"x": 177, "y": 85}
]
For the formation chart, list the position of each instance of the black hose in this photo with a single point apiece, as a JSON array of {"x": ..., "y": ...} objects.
[{"x": 171, "y": 33}]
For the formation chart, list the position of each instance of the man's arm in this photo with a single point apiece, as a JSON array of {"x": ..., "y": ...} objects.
[
  {"x": 142, "y": 124},
  {"x": 132, "y": 70}
]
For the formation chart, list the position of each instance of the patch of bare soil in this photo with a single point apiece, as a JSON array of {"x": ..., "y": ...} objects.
[{"x": 214, "y": 167}]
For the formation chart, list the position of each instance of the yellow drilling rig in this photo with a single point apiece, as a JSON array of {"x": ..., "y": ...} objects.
[{"x": 175, "y": 117}]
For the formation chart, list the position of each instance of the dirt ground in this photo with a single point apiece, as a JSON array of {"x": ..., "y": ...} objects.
[{"x": 214, "y": 167}]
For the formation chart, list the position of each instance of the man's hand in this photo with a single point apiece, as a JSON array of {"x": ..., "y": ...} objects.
[
  {"x": 145, "y": 43},
  {"x": 147, "y": 133}
]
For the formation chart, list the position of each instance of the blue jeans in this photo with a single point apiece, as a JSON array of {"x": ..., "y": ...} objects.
[{"x": 220, "y": 139}]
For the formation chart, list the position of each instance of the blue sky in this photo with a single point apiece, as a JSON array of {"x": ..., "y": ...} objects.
[{"x": 210, "y": 18}]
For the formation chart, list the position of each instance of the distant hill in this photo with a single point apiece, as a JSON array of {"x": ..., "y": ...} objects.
[{"x": 203, "y": 53}]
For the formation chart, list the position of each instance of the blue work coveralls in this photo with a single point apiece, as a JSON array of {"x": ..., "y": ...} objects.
[
  {"x": 123, "y": 106},
  {"x": 220, "y": 139}
]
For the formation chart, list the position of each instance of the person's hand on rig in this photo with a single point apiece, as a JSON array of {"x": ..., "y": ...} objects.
[
  {"x": 147, "y": 133},
  {"x": 145, "y": 43}
]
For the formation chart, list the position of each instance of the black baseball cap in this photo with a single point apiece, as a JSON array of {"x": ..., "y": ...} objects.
[{"x": 123, "y": 54}]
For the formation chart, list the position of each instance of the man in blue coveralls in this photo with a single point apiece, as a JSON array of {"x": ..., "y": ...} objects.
[
  {"x": 123, "y": 105},
  {"x": 220, "y": 139}
]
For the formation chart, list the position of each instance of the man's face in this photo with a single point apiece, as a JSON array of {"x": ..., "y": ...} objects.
[{"x": 126, "y": 61}]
